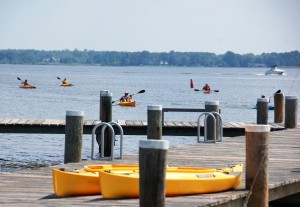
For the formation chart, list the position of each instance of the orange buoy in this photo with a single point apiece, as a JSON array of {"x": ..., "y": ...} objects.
[{"x": 192, "y": 83}]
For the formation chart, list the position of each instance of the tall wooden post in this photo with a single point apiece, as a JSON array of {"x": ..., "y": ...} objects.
[
  {"x": 153, "y": 163},
  {"x": 154, "y": 122},
  {"x": 212, "y": 106},
  {"x": 73, "y": 136},
  {"x": 106, "y": 116},
  {"x": 278, "y": 107},
  {"x": 291, "y": 111},
  {"x": 257, "y": 174},
  {"x": 262, "y": 110}
]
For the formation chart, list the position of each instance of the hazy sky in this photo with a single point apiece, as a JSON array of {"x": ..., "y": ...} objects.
[{"x": 240, "y": 26}]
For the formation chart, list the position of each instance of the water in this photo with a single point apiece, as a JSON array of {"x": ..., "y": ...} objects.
[{"x": 167, "y": 86}]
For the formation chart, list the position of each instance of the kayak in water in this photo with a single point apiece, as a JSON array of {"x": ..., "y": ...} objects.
[
  {"x": 66, "y": 84},
  {"x": 27, "y": 87}
]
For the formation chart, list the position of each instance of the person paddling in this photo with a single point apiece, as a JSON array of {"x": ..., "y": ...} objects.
[
  {"x": 125, "y": 97},
  {"x": 25, "y": 83},
  {"x": 65, "y": 81},
  {"x": 206, "y": 87}
]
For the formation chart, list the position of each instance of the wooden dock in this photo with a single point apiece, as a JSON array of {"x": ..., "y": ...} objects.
[
  {"x": 130, "y": 127},
  {"x": 34, "y": 187}
]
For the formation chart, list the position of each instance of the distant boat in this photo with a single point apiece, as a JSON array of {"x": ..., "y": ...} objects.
[{"x": 274, "y": 70}]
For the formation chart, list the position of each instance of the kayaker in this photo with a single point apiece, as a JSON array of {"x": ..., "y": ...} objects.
[
  {"x": 25, "y": 83},
  {"x": 206, "y": 87},
  {"x": 65, "y": 81},
  {"x": 125, "y": 97},
  {"x": 129, "y": 99}
]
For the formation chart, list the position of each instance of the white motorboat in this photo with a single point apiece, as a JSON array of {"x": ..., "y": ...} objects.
[{"x": 274, "y": 70}]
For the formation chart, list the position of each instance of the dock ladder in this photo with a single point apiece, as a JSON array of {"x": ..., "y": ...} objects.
[
  {"x": 207, "y": 114},
  {"x": 104, "y": 126}
]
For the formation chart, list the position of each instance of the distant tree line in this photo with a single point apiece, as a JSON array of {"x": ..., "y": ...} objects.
[{"x": 145, "y": 58}]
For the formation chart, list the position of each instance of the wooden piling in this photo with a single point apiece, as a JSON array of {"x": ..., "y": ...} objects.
[
  {"x": 262, "y": 110},
  {"x": 212, "y": 106},
  {"x": 154, "y": 122},
  {"x": 73, "y": 136},
  {"x": 257, "y": 175},
  {"x": 278, "y": 107},
  {"x": 106, "y": 116},
  {"x": 153, "y": 163},
  {"x": 291, "y": 111}
]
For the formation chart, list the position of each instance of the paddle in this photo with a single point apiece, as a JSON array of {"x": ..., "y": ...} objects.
[
  {"x": 23, "y": 81},
  {"x": 141, "y": 91},
  {"x": 58, "y": 78},
  {"x": 204, "y": 90}
]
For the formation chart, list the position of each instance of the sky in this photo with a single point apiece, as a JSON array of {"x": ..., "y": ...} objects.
[{"x": 217, "y": 26}]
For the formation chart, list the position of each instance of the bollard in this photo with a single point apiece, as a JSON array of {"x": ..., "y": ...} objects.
[
  {"x": 291, "y": 112},
  {"x": 257, "y": 175},
  {"x": 278, "y": 107},
  {"x": 212, "y": 106},
  {"x": 106, "y": 116},
  {"x": 73, "y": 136},
  {"x": 153, "y": 163},
  {"x": 262, "y": 110},
  {"x": 154, "y": 122}
]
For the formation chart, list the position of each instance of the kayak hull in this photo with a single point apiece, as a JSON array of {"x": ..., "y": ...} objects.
[
  {"x": 178, "y": 182},
  {"x": 82, "y": 182},
  {"x": 66, "y": 84},
  {"x": 27, "y": 87},
  {"x": 125, "y": 103}
]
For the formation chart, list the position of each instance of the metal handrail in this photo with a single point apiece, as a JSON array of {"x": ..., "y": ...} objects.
[
  {"x": 205, "y": 126},
  {"x": 121, "y": 138},
  {"x": 107, "y": 124},
  {"x": 221, "y": 124},
  {"x": 207, "y": 114}
]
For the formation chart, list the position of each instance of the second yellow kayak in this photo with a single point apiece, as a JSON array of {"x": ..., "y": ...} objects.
[{"x": 117, "y": 184}]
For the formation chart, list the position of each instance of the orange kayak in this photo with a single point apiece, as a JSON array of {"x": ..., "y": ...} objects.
[
  {"x": 27, "y": 86},
  {"x": 127, "y": 103}
]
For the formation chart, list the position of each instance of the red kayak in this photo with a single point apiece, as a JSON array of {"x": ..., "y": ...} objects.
[{"x": 27, "y": 87}]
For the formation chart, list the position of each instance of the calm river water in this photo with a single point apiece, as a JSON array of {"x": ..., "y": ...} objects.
[{"x": 238, "y": 88}]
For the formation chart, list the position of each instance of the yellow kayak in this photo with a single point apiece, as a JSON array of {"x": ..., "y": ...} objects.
[
  {"x": 127, "y": 103},
  {"x": 118, "y": 184},
  {"x": 66, "y": 84},
  {"x": 82, "y": 182},
  {"x": 86, "y": 181}
]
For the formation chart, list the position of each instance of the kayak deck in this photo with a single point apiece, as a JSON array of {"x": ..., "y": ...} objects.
[{"x": 127, "y": 103}]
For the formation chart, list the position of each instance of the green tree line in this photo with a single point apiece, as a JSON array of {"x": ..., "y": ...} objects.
[{"x": 145, "y": 58}]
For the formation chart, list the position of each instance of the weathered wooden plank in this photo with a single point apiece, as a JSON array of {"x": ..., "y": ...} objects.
[
  {"x": 22, "y": 121},
  {"x": 88, "y": 122},
  {"x": 121, "y": 122},
  {"x": 51, "y": 122},
  {"x": 13, "y": 121},
  {"x": 235, "y": 124},
  {"x": 130, "y": 123},
  {"x": 138, "y": 123},
  {"x": 187, "y": 124},
  {"x": 38, "y": 121},
  {"x": 5, "y": 121}
]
